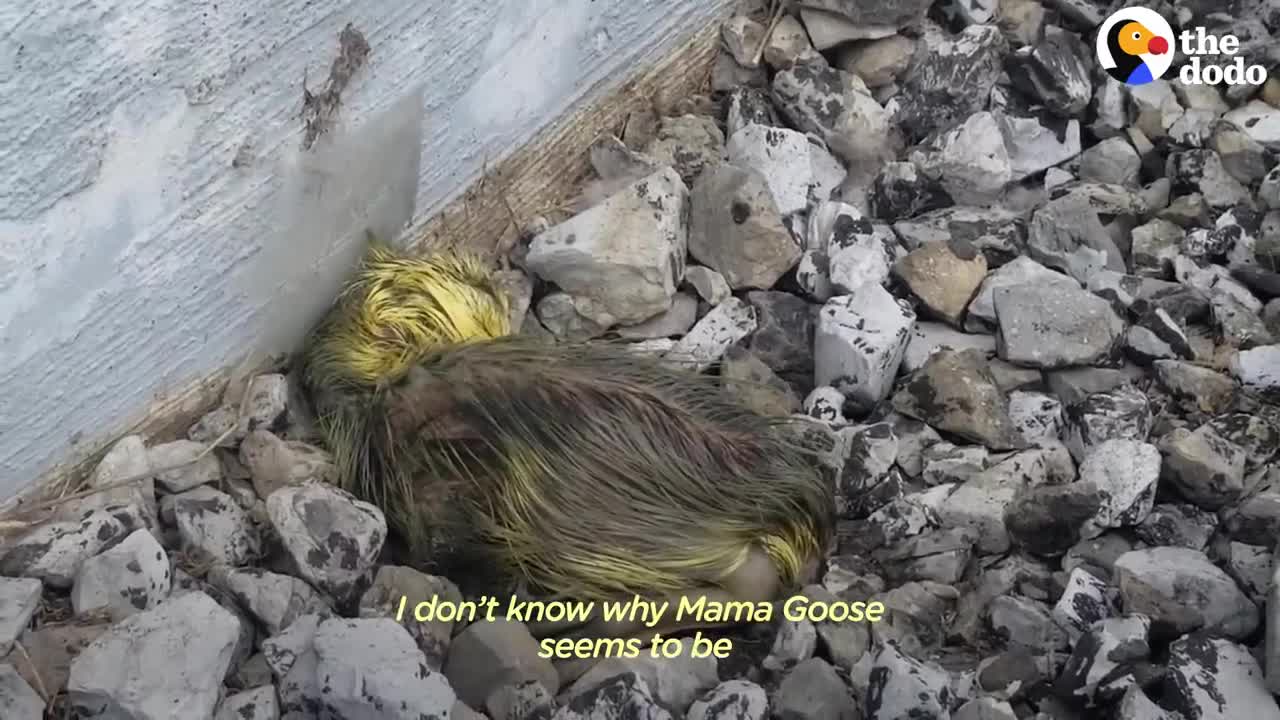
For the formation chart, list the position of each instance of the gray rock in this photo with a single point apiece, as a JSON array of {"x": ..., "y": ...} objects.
[
  {"x": 1055, "y": 71},
  {"x": 621, "y": 259},
  {"x": 1125, "y": 472},
  {"x": 736, "y": 228},
  {"x": 19, "y": 599},
  {"x": 1111, "y": 161},
  {"x": 741, "y": 36},
  {"x": 677, "y": 320},
  {"x": 395, "y": 584},
  {"x": 1216, "y": 679},
  {"x": 879, "y": 62},
  {"x": 1258, "y": 369},
  {"x": 1183, "y": 588},
  {"x": 929, "y": 338},
  {"x": 826, "y": 404},
  {"x": 1254, "y": 434},
  {"x": 205, "y": 470},
  {"x": 903, "y": 687},
  {"x": 18, "y": 700},
  {"x": 1250, "y": 565},
  {"x": 940, "y": 556},
  {"x": 54, "y": 551},
  {"x": 1120, "y": 414},
  {"x": 731, "y": 700},
  {"x": 257, "y": 704},
  {"x": 274, "y": 463},
  {"x": 1238, "y": 325},
  {"x": 129, "y": 578},
  {"x": 673, "y": 683},
  {"x": 859, "y": 343},
  {"x": 1156, "y": 108},
  {"x": 950, "y": 80},
  {"x": 1085, "y": 601},
  {"x": 1178, "y": 525},
  {"x": 745, "y": 374},
  {"x": 1101, "y": 667},
  {"x": 709, "y": 284},
  {"x": 835, "y": 107},
  {"x": 369, "y": 669},
  {"x": 273, "y": 599},
  {"x": 1021, "y": 271},
  {"x": 1035, "y": 145},
  {"x": 944, "y": 276},
  {"x": 999, "y": 233},
  {"x": 794, "y": 643},
  {"x": 944, "y": 463},
  {"x": 1135, "y": 705},
  {"x": 1054, "y": 327},
  {"x": 489, "y": 655},
  {"x": 557, "y": 313},
  {"x": 900, "y": 191},
  {"x": 813, "y": 691},
  {"x": 212, "y": 525},
  {"x": 688, "y": 143},
  {"x": 1067, "y": 235},
  {"x": 127, "y": 458},
  {"x": 970, "y": 161},
  {"x": 1036, "y": 416},
  {"x": 1049, "y": 520},
  {"x": 622, "y": 696},
  {"x": 728, "y": 323},
  {"x": 331, "y": 538},
  {"x": 981, "y": 503},
  {"x": 518, "y": 702},
  {"x": 1198, "y": 388},
  {"x": 954, "y": 392},
  {"x": 1242, "y": 156},
  {"x": 783, "y": 335},
  {"x": 1260, "y": 121},
  {"x": 1026, "y": 624},
  {"x": 781, "y": 156},
  {"x": 1205, "y": 468},
  {"x": 1202, "y": 171},
  {"x": 878, "y": 13},
  {"x": 984, "y": 708},
  {"x": 1074, "y": 385},
  {"x": 185, "y": 644},
  {"x": 1155, "y": 245}
]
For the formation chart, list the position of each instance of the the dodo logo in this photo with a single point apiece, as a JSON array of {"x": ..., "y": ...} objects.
[{"x": 1135, "y": 46}]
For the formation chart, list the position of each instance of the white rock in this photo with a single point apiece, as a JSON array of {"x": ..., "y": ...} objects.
[
  {"x": 19, "y": 600},
  {"x": 825, "y": 404},
  {"x": 126, "y": 459},
  {"x": 18, "y": 701},
  {"x": 266, "y": 404},
  {"x": 370, "y": 669},
  {"x": 1125, "y": 473},
  {"x": 1260, "y": 122},
  {"x": 859, "y": 343},
  {"x": 129, "y": 578},
  {"x": 971, "y": 161},
  {"x": 204, "y": 471},
  {"x": 213, "y": 523},
  {"x": 782, "y": 157},
  {"x": 256, "y": 704},
  {"x": 54, "y": 551},
  {"x": 332, "y": 537},
  {"x": 813, "y": 275},
  {"x": 1084, "y": 601},
  {"x": 726, "y": 324},
  {"x": 620, "y": 260},
  {"x": 929, "y": 337},
  {"x": 166, "y": 663},
  {"x": 1258, "y": 369},
  {"x": 1036, "y": 415},
  {"x": 1157, "y": 107},
  {"x": 709, "y": 284},
  {"x": 828, "y": 172},
  {"x": 275, "y": 600},
  {"x": 731, "y": 700},
  {"x": 1216, "y": 679},
  {"x": 675, "y": 682},
  {"x": 1020, "y": 271},
  {"x": 1032, "y": 147}
]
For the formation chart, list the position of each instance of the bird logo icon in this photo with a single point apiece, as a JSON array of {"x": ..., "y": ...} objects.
[{"x": 1135, "y": 46}]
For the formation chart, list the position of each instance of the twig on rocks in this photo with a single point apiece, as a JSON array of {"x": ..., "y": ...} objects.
[
  {"x": 35, "y": 672},
  {"x": 10, "y": 522},
  {"x": 774, "y": 19}
]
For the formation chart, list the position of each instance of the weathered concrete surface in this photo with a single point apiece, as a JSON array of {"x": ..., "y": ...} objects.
[{"x": 151, "y": 166}]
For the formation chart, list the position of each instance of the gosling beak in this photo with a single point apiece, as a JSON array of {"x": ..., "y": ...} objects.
[{"x": 1158, "y": 46}]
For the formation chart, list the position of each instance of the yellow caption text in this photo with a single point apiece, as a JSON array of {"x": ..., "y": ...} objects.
[{"x": 637, "y": 612}]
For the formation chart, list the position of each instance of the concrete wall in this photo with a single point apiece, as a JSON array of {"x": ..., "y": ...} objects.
[{"x": 159, "y": 219}]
